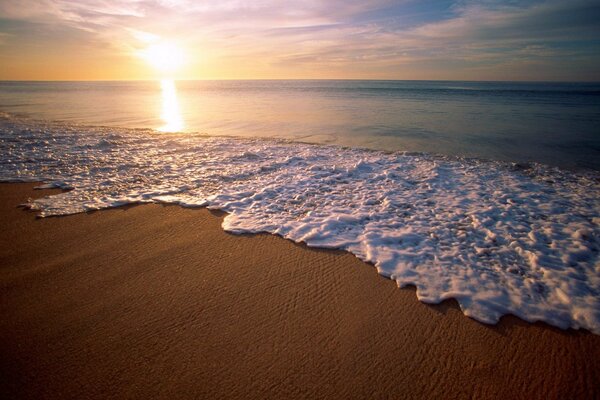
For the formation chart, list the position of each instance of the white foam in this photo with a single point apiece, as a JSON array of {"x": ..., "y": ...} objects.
[{"x": 497, "y": 238}]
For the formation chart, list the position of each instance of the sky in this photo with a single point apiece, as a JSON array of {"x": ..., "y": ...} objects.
[{"x": 555, "y": 40}]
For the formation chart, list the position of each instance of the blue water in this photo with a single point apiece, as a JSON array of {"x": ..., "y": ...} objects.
[{"x": 551, "y": 123}]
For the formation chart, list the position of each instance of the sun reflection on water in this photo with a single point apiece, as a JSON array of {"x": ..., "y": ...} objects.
[{"x": 170, "y": 114}]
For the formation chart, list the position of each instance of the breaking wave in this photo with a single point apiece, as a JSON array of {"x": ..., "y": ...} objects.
[{"x": 499, "y": 238}]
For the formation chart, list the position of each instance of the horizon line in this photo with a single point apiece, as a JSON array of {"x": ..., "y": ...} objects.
[{"x": 301, "y": 79}]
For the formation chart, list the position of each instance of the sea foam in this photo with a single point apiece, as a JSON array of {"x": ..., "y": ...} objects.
[{"x": 499, "y": 238}]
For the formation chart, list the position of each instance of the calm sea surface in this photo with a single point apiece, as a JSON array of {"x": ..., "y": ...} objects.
[{"x": 552, "y": 123}]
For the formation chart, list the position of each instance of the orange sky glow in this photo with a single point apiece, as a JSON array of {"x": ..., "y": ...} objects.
[{"x": 268, "y": 39}]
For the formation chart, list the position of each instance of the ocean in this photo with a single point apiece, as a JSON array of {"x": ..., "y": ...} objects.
[
  {"x": 556, "y": 124},
  {"x": 485, "y": 192}
]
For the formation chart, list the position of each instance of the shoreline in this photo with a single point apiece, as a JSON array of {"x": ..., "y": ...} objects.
[
  {"x": 157, "y": 300},
  {"x": 580, "y": 170}
]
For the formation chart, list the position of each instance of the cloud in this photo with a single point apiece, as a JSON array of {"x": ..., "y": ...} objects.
[
  {"x": 556, "y": 20},
  {"x": 335, "y": 35},
  {"x": 489, "y": 33}
]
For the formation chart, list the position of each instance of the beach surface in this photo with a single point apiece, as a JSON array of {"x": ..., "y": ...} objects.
[{"x": 158, "y": 301}]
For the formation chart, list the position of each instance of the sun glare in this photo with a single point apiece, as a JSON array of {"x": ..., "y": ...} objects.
[
  {"x": 165, "y": 57},
  {"x": 170, "y": 115}
]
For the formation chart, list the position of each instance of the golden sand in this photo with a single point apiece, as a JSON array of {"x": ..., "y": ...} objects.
[{"x": 158, "y": 302}]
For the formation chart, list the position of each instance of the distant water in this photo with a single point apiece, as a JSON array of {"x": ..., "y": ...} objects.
[
  {"x": 551, "y": 123},
  {"x": 499, "y": 237}
]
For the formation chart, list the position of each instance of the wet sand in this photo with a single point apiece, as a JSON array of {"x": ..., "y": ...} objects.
[{"x": 157, "y": 301}]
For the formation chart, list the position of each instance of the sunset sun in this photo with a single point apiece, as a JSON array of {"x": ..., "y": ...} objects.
[{"x": 165, "y": 57}]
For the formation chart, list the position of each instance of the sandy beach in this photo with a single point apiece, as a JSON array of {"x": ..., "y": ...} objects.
[{"x": 158, "y": 301}]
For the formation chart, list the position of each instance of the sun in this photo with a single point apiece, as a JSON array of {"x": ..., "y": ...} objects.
[{"x": 164, "y": 56}]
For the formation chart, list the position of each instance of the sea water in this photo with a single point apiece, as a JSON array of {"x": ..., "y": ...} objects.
[
  {"x": 552, "y": 123},
  {"x": 499, "y": 235}
]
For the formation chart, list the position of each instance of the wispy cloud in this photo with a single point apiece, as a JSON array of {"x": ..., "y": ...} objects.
[{"x": 375, "y": 38}]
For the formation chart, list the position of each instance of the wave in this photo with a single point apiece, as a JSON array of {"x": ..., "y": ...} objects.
[{"x": 499, "y": 238}]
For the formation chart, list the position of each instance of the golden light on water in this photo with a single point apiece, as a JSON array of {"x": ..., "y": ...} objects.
[{"x": 170, "y": 114}]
